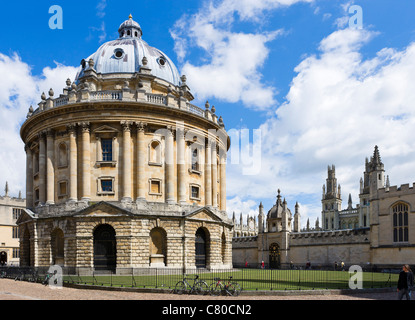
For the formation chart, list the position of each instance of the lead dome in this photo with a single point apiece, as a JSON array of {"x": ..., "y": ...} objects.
[{"x": 125, "y": 56}]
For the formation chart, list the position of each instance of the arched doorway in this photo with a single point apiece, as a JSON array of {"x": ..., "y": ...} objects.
[
  {"x": 26, "y": 247},
  {"x": 201, "y": 248},
  {"x": 274, "y": 256},
  {"x": 3, "y": 258},
  {"x": 57, "y": 246},
  {"x": 105, "y": 248}
]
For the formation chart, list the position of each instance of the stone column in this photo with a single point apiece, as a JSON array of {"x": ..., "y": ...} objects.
[
  {"x": 86, "y": 161},
  {"x": 223, "y": 181},
  {"x": 169, "y": 166},
  {"x": 126, "y": 161},
  {"x": 29, "y": 177},
  {"x": 141, "y": 152},
  {"x": 214, "y": 177},
  {"x": 73, "y": 164},
  {"x": 208, "y": 174},
  {"x": 42, "y": 169},
  {"x": 50, "y": 168},
  {"x": 181, "y": 166}
]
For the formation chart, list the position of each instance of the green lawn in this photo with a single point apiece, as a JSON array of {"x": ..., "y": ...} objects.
[{"x": 249, "y": 279}]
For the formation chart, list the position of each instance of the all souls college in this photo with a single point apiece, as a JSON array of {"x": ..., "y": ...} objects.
[{"x": 123, "y": 171}]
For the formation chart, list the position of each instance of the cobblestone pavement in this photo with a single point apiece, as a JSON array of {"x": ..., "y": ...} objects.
[{"x": 20, "y": 290}]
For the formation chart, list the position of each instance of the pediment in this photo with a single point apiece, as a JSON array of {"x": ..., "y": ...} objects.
[
  {"x": 204, "y": 214},
  {"x": 105, "y": 129},
  {"x": 102, "y": 209},
  {"x": 25, "y": 216}
]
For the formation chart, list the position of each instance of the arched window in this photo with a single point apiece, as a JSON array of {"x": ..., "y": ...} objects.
[
  {"x": 63, "y": 155},
  {"x": 155, "y": 152},
  {"x": 400, "y": 222},
  {"x": 195, "y": 160}
]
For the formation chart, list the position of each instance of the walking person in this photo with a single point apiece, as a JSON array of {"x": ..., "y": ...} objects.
[
  {"x": 403, "y": 284},
  {"x": 410, "y": 280}
]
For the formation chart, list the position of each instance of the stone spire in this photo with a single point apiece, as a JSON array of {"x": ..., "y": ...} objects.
[
  {"x": 6, "y": 189},
  {"x": 261, "y": 218},
  {"x": 297, "y": 224},
  {"x": 376, "y": 156},
  {"x": 350, "y": 203}
]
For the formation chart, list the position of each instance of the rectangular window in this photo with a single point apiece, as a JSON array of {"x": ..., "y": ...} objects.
[
  {"x": 15, "y": 232},
  {"x": 106, "y": 145},
  {"x": 62, "y": 188},
  {"x": 37, "y": 196},
  {"x": 155, "y": 187},
  {"x": 16, "y": 253},
  {"x": 16, "y": 213},
  {"x": 106, "y": 185},
  {"x": 195, "y": 192}
]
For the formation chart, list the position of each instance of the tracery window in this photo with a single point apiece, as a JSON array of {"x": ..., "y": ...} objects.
[{"x": 400, "y": 222}]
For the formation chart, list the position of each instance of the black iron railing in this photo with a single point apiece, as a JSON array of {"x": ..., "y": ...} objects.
[{"x": 258, "y": 279}]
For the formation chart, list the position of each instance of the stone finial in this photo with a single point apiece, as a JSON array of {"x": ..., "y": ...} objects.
[
  {"x": 43, "y": 96},
  {"x": 183, "y": 79},
  {"x": 30, "y": 112},
  {"x": 207, "y": 105},
  {"x": 51, "y": 93},
  {"x": 73, "y": 86},
  {"x": 91, "y": 63},
  {"x": 68, "y": 82},
  {"x": 213, "y": 109},
  {"x": 6, "y": 189},
  {"x": 144, "y": 61},
  {"x": 220, "y": 121}
]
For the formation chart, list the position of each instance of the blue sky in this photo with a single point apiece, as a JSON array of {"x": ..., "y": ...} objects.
[{"x": 319, "y": 92}]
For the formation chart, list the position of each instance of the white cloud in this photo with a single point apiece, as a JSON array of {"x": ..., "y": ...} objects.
[
  {"x": 18, "y": 91},
  {"x": 237, "y": 206},
  {"x": 338, "y": 108},
  {"x": 231, "y": 69},
  {"x": 102, "y": 4}
]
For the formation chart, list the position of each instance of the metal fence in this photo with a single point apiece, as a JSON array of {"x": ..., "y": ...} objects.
[{"x": 248, "y": 278}]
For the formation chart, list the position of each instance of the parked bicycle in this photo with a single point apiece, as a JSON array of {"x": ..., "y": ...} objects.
[
  {"x": 199, "y": 286},
  {"x": 230, "y": 288},
  {"x": 20, "y": 276}
]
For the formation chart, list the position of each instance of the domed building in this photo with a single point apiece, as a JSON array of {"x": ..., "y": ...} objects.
[{"x": 122, "y": 170}]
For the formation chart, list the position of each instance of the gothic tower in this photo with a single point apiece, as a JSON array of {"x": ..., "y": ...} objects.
[
  {"x": 261, "y": 219},
  {"x": 331, "y": 201},
  {"x": 297, "y": 216}
]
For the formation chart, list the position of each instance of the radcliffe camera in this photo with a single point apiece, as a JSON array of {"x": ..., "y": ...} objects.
[{"x": 220, "y": 151}]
